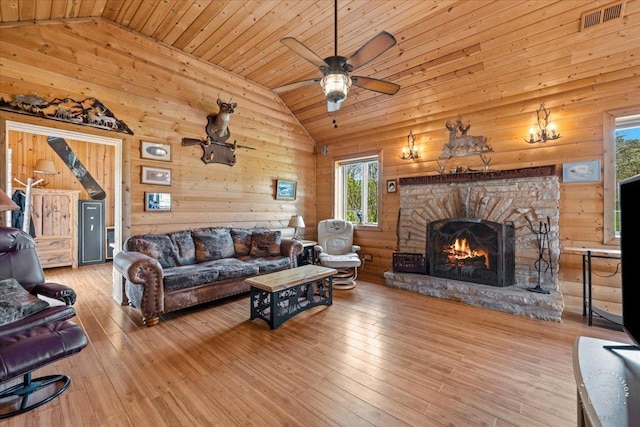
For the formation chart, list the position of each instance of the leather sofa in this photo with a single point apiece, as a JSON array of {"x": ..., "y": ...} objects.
[{"x": 168, "y": 272}]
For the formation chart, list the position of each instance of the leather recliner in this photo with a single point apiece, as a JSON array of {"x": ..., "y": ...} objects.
[
  {"x": 30, "y": 342},
  {"x": 335, "y": 249}
]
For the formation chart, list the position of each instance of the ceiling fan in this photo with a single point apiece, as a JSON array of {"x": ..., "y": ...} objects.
[{"x": 335, "y": 69}]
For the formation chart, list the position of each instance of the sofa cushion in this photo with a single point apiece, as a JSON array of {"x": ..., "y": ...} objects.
[
  {"x": 214, "y": 245},
  {"x": 232, "y": 268},
  {"x": 269, "y": 264},
  {"x": 185, "y": 248},
  {"x": 265, "y": 243},
  {"x": 241, "y": 241},
  {"x": 188, "y": 276},
  {"x": 157, "y": 246},
  {"x": 16, "y": 302}
]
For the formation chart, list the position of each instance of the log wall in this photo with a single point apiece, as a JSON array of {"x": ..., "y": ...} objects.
[{"x": 163, "y": 96}]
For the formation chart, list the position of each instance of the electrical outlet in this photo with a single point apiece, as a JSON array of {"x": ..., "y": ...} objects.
[{"x": 367, "y": 257}]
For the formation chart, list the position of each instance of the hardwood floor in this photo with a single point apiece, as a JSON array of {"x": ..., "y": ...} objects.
[{"x": 377, "y": 356}]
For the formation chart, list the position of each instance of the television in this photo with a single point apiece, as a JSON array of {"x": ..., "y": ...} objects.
[{"x": 629, "y": 193}]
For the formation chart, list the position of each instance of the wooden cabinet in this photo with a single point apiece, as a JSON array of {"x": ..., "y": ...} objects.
[{"x": 55, "y": 219}]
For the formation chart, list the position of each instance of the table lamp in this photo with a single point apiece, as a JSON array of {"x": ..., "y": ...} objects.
[{"x": 297, "y": 222}]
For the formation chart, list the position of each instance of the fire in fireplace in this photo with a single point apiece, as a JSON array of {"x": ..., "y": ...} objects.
[{"x": 471, "y": 250}]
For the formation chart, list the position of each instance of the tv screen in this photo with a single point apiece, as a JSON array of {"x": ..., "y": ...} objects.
[{"x": 629, "y": 192}]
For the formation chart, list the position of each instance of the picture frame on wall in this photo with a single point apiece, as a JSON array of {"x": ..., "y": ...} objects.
[
  {"x": 155, "y": 151},
  {"x": 156, "y": 176},
  {"x": 285, "y": 190},
  {"x": 588, "y": 171},
  {"x": 157, "y": 202},
  {"x": 391, "y": 186}
]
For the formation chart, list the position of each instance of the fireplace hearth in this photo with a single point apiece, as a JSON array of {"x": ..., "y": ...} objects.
[
  {"x": 471, "y": 250},
  {"x": 474, "y": 231}
]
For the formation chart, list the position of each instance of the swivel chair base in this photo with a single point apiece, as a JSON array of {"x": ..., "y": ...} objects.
[
  {"x": 27, "y": 387},
  {"x": 345, "y": 279}
]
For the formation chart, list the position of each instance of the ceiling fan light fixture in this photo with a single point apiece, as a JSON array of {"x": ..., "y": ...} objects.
[{"x": 336, "y": 86}]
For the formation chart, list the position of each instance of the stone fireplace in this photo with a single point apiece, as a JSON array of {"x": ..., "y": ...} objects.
[{"x": 477, "y": 232}]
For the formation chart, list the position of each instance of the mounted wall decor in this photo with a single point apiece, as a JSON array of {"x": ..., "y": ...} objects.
[
  {"x": 215, "y": 148},
  {"x": 155, "y": 151},
  {"x": 588, "y": 171},
  {"x": 155, "y": 176},
  {"x": 460, "y": 144},
  {"x": 88, "y": 112},
  {"x": 157, "y": 201},
  {"x": 285, "y": 190}
]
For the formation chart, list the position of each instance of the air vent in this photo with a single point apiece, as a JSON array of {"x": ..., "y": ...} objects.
[{"x": 601, "y": 15}]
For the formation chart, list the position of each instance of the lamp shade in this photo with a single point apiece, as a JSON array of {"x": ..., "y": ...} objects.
[
  {"x": 296, "y": 221},
  {"x": 336, "y": 87},
  {"x": 45, "y": 167},
  {"x": 6, "y": 204}
]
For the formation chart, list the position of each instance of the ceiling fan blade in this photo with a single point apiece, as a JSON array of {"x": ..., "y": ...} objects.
[
  {"x": 296, "y": 85},
  {"x": 303, "y": 51},
  {"x": 333, "y": 106},
  {"x": 371, "y": 50},
  {"x": 375, "y": 85}
]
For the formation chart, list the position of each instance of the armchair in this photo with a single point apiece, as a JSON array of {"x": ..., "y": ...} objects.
[
  {"x": 32, "y": 332},
  {"x": 335, "y": 249}
]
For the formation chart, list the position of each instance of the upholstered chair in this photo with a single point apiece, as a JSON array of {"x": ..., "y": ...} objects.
[
  {"x": 33, "y": 332},
  {"x": 335, "y": 249}
]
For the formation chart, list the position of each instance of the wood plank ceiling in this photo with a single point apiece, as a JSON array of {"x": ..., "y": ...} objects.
[{"x": 446, "y": 48}]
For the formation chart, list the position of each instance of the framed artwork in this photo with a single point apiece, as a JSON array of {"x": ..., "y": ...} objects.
[
  {"x": 157, "y": 201},
  {"x": 155, "y": 151},
  {"x": 391, "y": 186},
  {"x": 588, "y": 171},
  {"x": 156, "y": 176},
  {"x": 285, "y": 190}
]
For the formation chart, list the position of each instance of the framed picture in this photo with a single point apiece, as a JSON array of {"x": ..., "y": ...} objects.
[
  {"x": 391, "y": 186},
  {"x": 588, "y": 171},
  {"x": 155, "y": 151},
  {"x": 157, "y": 201},
  {"x": 156, "y": 176},
  {"x": 285, "y": 190}
]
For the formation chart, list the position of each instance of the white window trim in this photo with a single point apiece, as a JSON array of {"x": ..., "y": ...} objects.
[
  {"x": 338, "y": 204},
  {"x": 609, "y": 150}
]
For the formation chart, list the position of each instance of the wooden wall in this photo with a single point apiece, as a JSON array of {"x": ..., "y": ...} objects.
[
  {"x": 163, "y": 95},
  {"x": 579, "y": 75}
]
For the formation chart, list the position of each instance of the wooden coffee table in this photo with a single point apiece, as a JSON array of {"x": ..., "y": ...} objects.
[{"x": 277, "y": 297}]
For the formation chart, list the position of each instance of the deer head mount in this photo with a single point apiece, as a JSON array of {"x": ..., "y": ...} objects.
[
  {"x": 218, "y": 124},
  {"x": 215, "y": 148}
]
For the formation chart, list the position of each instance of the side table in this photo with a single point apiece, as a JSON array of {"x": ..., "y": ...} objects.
[
  {"x": 307, "y": 257},
  {"x": 588, "y": 309}
]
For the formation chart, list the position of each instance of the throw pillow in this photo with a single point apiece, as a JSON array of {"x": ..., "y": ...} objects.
[
  {"x": 157, "y": 246},
  {"x": 241, "y": 241},
  {"x": 266, "y": 243},
  {"x": 16, "y": 303},
  {"x": 214, "y": 245}
]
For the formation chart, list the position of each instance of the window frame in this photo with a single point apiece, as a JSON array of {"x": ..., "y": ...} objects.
[
  {"x": 610, "y": 186},
  {"x": 338, "y": 193}
]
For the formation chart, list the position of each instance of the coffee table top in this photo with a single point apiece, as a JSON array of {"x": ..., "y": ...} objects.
[{"x": 293, "y": 276}]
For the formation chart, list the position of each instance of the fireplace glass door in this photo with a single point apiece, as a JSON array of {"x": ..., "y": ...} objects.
[{"x": 471, "y": 250}]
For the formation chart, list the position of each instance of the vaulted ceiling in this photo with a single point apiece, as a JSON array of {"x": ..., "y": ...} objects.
[{"x": 451, "y": 55}]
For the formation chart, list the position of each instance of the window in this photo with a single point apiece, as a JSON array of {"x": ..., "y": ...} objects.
[
  {"x": 627, "y": 152},
  {"x": 357, "y": 190},
  {"x": 622, "y": 160}
]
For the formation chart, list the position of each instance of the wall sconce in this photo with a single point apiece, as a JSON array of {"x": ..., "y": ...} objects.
[
  {"x": 297, "y": 222},
  {"x": 546, "y": 131},
  {"x": 410, "y": 152}
]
